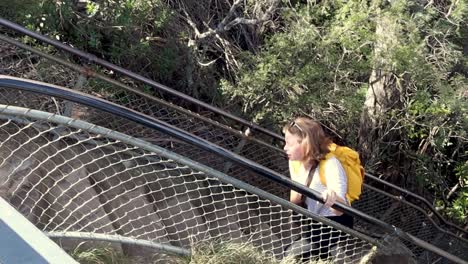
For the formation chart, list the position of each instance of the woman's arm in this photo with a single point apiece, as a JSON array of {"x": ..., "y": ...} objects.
[
  {"x": 337, "y": 184},
  {"x": 295, "y": 197}
]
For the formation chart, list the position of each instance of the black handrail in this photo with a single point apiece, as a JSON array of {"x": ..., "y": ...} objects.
[
  {"x": 97, "y": 103},
  {"x": 417, "y": 208},
  {"x": 118, "y": 110},
  {"x": 422, "y": 199},
  {"x": 88, "y": 72},
  {"x": 253, "y": 126}
]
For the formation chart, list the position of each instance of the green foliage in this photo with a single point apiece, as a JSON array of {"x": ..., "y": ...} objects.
[
  {"x": 459, "y": 206},
  {"x": 310, "y": 67},
  {"x": 436, "y": 125},
  {"x": 130, "y": 33}
]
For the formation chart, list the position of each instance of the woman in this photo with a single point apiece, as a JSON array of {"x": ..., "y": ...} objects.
[{"x": 306, "y": 146}]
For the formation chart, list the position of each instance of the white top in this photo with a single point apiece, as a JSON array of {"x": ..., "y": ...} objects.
[{"x": 336, "y": 179}]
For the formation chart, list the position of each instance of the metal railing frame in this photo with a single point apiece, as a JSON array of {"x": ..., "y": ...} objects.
[
  {"x": 120, "y": 240},
  {"x": 401, "y": 200},
  {"x": 147, "y": 121},
  {"x": 88, "y": 72},
  {"x": 419, "y": 198},
  {"x": 13, "y": 112},
  {"x": 94, "y": 59}
]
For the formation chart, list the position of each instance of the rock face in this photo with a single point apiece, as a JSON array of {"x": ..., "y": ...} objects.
[{"x": 391, "y": 251}]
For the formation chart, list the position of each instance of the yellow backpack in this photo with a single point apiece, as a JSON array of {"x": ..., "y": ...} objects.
[{"x": 351, "y": 163}]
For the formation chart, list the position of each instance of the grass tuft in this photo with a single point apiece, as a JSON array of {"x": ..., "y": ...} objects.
[
  {"x": 100, "y": 255},
  {"x": 235, "y": 253}
]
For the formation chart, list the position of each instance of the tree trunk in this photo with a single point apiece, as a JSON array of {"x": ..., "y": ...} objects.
[{"x": 382, "y": 92}]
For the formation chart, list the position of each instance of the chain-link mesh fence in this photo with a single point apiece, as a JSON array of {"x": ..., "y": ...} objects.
[
  {"x": 230, "y": 139},
  {"x": 68, "y": 176},
  {"x": 226, "y": 138},
  {"x": 117, "y": 123},
  {"x": 411, "y": 219}
]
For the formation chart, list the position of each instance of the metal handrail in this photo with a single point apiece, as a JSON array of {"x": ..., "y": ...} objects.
[
  {"x": 420, "y": 198},
  {"x": 88, "y": 72},
  {"x": 401, "y": 200},
  {"x": 108, "y": 133},
  {"x": 97, "y": 103},
  {"x": 120, "y": 240},
  {"x": 118, "y": 110},
  {"x": 161, "y": 87},
  {"x": 93, "y": 58}
]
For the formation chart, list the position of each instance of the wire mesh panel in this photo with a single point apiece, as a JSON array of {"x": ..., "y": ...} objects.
[
  {"x": 373, "y": 203},
  {"x": 412, "y": 199},
  {"x": 396, "y": 211},
  {"x": 68, "y": 176},
  {"x": 231, "y": 141},
  {"x": 217, "y": 132}
]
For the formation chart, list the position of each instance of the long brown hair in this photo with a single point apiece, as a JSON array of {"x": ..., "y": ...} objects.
[{"x": 313, "y": 139}]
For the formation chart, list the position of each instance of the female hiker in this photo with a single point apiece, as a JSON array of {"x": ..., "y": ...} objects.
[{"x": 306, "y": 147}]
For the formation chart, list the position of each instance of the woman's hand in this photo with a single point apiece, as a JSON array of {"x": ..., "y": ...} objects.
[{"x": 329, "y": 197}]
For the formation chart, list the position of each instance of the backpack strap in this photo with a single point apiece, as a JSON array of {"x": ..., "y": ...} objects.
[{"x": 307, "y": 183}]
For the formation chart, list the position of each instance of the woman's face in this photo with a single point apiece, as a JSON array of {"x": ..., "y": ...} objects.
[{"x": 293, "y": 147}]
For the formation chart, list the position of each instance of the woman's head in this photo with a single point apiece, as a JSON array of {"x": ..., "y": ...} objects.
[{"x": 305, "y": 141}]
